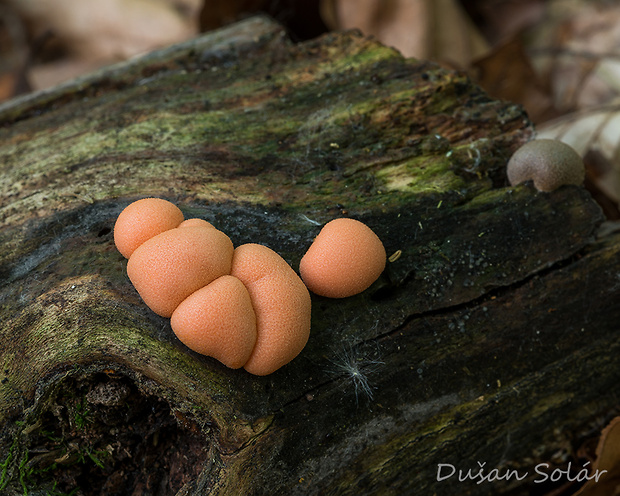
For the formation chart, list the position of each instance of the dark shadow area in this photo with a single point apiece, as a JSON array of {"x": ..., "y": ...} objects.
[{"x": 101, "y": 436}]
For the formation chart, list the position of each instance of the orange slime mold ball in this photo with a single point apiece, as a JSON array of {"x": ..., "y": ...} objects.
[
  {"x": 142, "y": 220},
  {"x": 169, "y": 267},
  {"x": 345, "y": 259},
  {"x": 218, "y": 321},
  {"x": 281, "y": 303},
  {"x": 196, "y": 223}
]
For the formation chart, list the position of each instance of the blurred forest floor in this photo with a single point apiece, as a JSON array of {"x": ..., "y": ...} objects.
[{"x": 560, "y": 59}]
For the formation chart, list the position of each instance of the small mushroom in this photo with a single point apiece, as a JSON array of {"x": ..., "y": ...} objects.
[
  {"x": 548, "y": 163},
  {"x": 142, "y": 220},
  {"x": 345, "y": 259}
]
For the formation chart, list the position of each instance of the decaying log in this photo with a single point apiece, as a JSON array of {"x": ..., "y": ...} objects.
[{"x": 491, "y": 339}]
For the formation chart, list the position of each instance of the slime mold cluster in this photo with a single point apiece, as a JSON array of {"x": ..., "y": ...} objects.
[{"x": 244, "y": 306}]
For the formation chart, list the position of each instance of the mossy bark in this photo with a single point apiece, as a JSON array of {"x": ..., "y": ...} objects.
[{"x": 491, "y": 338}]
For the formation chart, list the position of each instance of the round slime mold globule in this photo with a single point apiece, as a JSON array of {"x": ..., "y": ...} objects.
[
  {"x": 548, "y": 163},
  {"x": 142, "y": 220},
  {"x": 196, "y": 223},
  {"x": 218, "y": 320},
  {"x": 345, "y": 258},
  {"x": 281, "y": 303},
  {"x": 169, "y": 267}
]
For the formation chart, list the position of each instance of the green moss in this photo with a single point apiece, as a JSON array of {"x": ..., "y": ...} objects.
[
  {"x": 5, "y": 465},
  {"x": 422, "y": 175}
]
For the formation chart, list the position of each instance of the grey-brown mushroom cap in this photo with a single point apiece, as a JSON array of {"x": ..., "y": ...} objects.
[{"x": 548, "y": 163}]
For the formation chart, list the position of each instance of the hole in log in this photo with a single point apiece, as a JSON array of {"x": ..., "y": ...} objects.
[{"x": 101, "y": 435}]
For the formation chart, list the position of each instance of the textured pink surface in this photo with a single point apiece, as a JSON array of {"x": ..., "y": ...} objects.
[
  {"x": 245, "y": 307},
  {"x": 142, "y": 220},
  {"x": 281, "y": 303},
  {"x": 218, "y": 320},
  {"x": 169, "y": 267},
  {"x": 196, "y": 223},
  {"x": 345, "y": 259}
]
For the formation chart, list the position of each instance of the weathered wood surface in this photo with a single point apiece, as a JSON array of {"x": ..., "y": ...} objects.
[{"x": 493, "y": 338}]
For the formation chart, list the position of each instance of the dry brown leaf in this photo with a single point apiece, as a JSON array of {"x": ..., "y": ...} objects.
[
  {"x": 114, "y": 28},
  {"x": 607, "y": 459},
  {"x": 95, "y": 32},
  {"x": 593, "y": 132},
  {"x": 7, "y": 86},
  {"x": 502, "y": 20},
  {"x": 506, "y": 73},
  {"x": 576, "y": 48},
  {"x": 216, "y": 13},
  {"x": 48, "y": 75},
  {"x": 427, "y": 29}
]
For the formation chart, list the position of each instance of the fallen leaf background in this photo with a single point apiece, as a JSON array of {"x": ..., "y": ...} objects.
[
  {"x": 49, "y": 41},
  {"x": 607, "y": 457},
  {"x": 560, "y": 59}
]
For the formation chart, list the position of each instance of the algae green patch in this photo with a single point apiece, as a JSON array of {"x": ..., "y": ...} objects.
[{"x": 421, "y": 175}]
